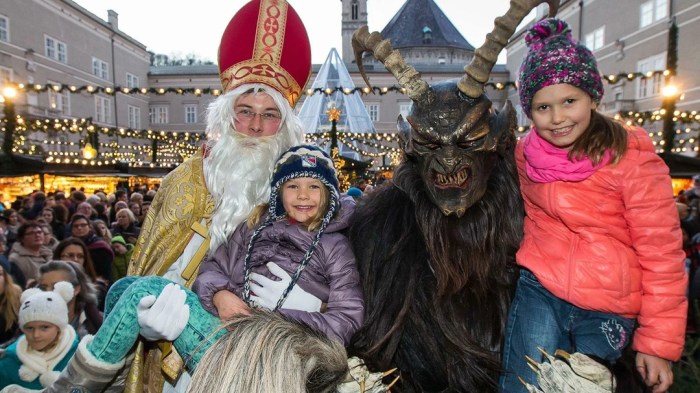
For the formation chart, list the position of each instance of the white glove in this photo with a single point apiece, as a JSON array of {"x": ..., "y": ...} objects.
[
  {"x": 165, "y": 317},
  {"x": 268, "y": 292}
]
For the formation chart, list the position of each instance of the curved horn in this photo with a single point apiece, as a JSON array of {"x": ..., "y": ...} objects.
[
  {"x": 478, "y": 71},
  {"x": 362, "y": 41}
]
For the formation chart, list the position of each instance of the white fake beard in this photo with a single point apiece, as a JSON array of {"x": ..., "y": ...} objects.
[{"x": 237, "y": 171}]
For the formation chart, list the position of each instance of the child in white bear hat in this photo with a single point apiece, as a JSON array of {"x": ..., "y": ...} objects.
[{"x": 36, "y": 359}]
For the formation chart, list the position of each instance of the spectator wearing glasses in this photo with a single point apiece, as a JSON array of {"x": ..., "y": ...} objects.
[
  {"x": 29, "y": 252},
  {"x": 73, "y": 249},
  {"x": 99, "y": 250}
]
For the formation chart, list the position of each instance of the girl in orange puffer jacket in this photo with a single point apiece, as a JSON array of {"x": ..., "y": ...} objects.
[{"x": 601, "y": 258}]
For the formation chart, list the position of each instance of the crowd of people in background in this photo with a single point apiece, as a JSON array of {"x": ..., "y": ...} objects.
[
  {"x": 688, "y": 204},
  {"x": 85, "y": 240}
]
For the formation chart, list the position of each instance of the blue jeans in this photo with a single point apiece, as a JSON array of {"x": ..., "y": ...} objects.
[{"x": 539, "y": 319}]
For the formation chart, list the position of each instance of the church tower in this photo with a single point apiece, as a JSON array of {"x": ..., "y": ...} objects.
[{"x": 354, "y": 16}]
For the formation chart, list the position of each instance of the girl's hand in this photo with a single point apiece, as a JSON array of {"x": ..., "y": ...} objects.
[
  {"x": 228, "y": 304},
  {"x": 655, "y": 371}
]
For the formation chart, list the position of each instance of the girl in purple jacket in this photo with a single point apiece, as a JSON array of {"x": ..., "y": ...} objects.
[{"x": 295, "y": 262}]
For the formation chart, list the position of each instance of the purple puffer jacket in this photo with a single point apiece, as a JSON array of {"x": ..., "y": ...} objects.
[{"x": 331, "y": 274}]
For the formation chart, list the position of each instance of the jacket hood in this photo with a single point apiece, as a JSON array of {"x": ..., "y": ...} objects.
[{"x": 341, "y": 221}]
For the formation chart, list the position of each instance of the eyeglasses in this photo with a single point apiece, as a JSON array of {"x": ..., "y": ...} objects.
[
  {"x": 33, "y": 233},
  {"x": 248, "y": 115},
  {"x": 72, "y": 256}
]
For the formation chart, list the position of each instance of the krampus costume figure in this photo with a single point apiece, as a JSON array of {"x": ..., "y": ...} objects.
[{"x": 436, "y": 246}]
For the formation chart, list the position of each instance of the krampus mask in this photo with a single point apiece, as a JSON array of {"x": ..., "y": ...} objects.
[{"x": 452, "y": 132}]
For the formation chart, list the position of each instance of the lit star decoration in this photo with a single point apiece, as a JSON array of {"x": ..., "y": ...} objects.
[{"x": 334, "y": 114}]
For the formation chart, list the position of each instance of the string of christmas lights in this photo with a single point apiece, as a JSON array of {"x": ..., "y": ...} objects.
[
  {"x": 199, "y": 91},
  {"x": 640, "y": 118},
  {"x": 24, "y": 125}
]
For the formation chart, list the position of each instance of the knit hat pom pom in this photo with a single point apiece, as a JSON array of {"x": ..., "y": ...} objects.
[
  {"x": 547, "y": 29},
  {"x": 65, "y": 289}
]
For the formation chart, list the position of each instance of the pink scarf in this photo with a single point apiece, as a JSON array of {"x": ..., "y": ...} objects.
[{"x": 546, "y": 163}]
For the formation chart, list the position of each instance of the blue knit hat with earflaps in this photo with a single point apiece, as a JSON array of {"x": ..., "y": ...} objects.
[{"x": 298, "y": 161}]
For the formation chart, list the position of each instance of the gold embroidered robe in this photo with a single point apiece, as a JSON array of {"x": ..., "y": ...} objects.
[{"x": 180, "y": 204}]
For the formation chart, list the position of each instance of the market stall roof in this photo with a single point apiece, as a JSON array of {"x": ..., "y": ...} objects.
[
  {"x": 680, "y": 165},
  {"x": 14, "y": 165}
]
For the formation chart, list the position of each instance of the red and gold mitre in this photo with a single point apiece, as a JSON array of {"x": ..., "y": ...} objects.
[{"x": 266, "y": 42}]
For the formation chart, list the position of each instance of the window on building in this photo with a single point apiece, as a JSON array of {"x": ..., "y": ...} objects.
[
  {"x": 650, "y": 87},
  {"x": 595, "y": 39},
  {"x": 427, "y": 35},
  {"x": 660, "y": 9},
  {"x": 100, "y": 68},
  {"x": 404, "y": 109},
  {"x": 618, "y": 93},
  {"x": 4, "y": 28},
  {"x": 132, "y": 81},
  {"x": 355, "y": 10},
  {"x": 652, "y": 11},
  {"x": 158, "y": 114},
  {"x": 5, "y": 75},
  {"x": 59, "y": 102},
  {"x": 102, "y": 109},
  {"x": 55, "y": 49},
  {"x": 373, "y": 111},
  {"x": 134, "y": 117},
  {"x": 190, "y": 114}
]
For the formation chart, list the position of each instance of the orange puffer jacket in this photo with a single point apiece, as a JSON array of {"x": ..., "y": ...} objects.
[{"x": 612, "y": 243}]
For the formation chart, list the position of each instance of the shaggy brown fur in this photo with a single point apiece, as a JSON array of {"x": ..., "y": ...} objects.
[{"x": 437, "y": 288}]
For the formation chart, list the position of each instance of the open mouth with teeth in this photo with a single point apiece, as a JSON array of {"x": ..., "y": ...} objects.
[{"x": 457, "y": 179}]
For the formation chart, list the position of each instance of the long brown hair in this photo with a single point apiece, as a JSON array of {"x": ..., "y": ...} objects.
[
  {"x": 9, "y": 301},
  {"x": 603, "y": 134},
  {"x": 259, "y": 211}
]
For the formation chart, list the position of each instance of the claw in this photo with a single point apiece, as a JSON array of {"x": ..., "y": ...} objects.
[
  {"x": 533, "y": 364},
  {"x": 522, "y": 381},
  {"x": 393, "y": 382},
  {"x": 546, "y": 355},
  {"x": 386, "y": 373},
  {"x": 562, "y": 353},
  {"x": 534, "y": 368}
]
